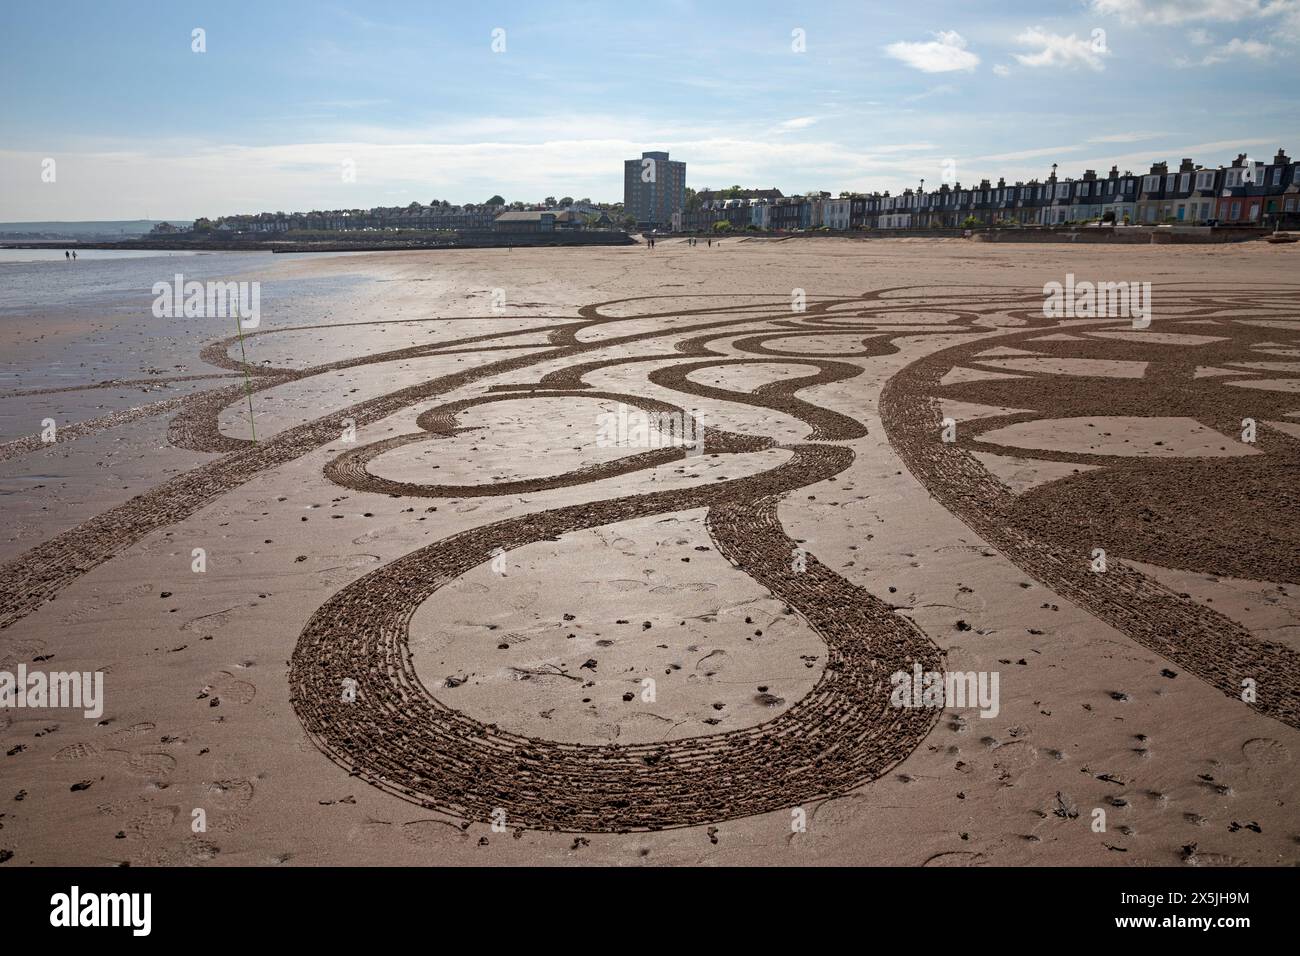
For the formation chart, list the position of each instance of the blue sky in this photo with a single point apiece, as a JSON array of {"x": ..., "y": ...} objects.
[{"x": 414, "y": 98}]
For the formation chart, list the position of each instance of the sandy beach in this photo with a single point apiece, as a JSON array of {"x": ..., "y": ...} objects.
[{"x": 437, "y": 619}]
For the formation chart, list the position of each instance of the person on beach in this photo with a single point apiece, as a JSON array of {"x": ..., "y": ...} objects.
[
  {"x": 67, "y": 254},
  {"x": 74, "y": 253}
]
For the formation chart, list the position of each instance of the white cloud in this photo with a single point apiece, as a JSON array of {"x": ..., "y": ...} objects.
[
  {"x": 799, "y": 122},
  {"x": 1251, "y": 48},
  {"x": 1125, "y": 137},
  {"x": 1283, "y": 14},
  {"x": 1020, "y": 154},
  {"x": 1056, "y": 50},
  {"x": 944, "y": 54},
  {"x": 1199, "y": 37},
  {"x": 1234, "y": 49},
  {"x": 1001, "y": 69},
  {"x": 1192, "y": 11},
  {"x": 943, "y": 89}
]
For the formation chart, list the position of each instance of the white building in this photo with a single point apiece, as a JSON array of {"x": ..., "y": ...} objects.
[{"x": 835, "y": 213}]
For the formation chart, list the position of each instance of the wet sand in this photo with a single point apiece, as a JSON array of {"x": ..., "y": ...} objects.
[{"x": 568, "y": 653}]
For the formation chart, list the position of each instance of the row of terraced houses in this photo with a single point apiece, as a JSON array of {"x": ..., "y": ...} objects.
[{"x": 1245, "y": 193}]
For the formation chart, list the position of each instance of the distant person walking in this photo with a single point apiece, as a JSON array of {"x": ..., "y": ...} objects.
[
  {"x": 74, "y": 253},
  {"x": 67, "y": 254}
]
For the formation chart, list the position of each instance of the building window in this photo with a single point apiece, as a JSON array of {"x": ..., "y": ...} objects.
[{"x": 1277, "y": 176}]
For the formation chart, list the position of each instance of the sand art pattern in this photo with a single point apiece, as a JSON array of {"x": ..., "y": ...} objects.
[
  {"x": 1204, "y": 366},
  {"x": 400, "y": 737}
]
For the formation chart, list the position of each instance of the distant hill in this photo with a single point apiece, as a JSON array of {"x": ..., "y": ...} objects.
[{"x": 106, "y": 229}]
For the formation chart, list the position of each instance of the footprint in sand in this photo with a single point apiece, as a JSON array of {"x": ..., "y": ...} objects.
[
  {"x": 208, "y": 622},
  {"x": 337, "y": 570},
  {"x": 625, "y": 585},
  {"x": 151, "y": 822},
  {"x": 522, "y": 602},
  {"x": 827, "y": 818},
  {"x": 370, "y": 831},
  {"x": 21, "y": 652},
  {"x": 133, "y": 731},
  {"x": 432, "y": 833},
  {"x": 225, "y": 802},
  {"x": 698, "y": 587},
  {"x": 225, "y": 686},
  {"x": 79, "y": 751},
  {"x": 151, "y": 765},
  {"x": 229, "y": 795},
  {"x": 467, "y": 587},
  {"x": 86, "y": 609},
  {"x": 1269, "y": 759}
]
